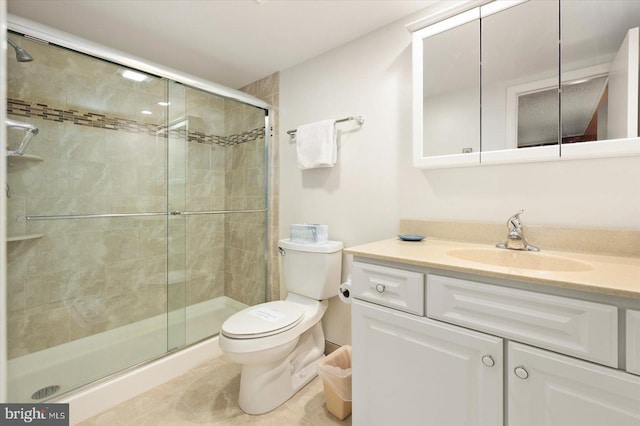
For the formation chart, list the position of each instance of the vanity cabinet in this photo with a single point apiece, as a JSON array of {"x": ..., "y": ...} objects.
[
  {"x": 560, "y": 357},
  {"x": 410, "y": 370}
]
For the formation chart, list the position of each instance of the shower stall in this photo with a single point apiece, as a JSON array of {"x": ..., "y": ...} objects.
[{"x": 136, "y": 215}]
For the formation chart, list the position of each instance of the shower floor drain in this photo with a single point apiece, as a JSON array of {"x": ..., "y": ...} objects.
[{"x": 45, "y": 392}]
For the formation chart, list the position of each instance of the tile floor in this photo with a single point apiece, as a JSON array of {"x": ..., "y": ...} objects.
[{"x": 208, "y": 395}]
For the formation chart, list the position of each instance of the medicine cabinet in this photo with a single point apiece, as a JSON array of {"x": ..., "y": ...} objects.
[{"x": 525, "y": 81}]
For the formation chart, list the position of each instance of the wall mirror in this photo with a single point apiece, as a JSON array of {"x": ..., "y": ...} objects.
[
  {"x": 451, "y": 90},
  {"x": 523, "y": 81}
]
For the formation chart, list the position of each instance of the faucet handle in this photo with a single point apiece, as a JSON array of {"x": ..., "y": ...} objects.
[
  {"x": 514, "y": 224},
  {"x": 515, "y": 238}
]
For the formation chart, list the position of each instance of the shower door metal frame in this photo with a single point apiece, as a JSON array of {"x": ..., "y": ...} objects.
[
  {"x": 65, "y": 40},
  {"x": 3, "y": 208},
  {"x": 267, "y": 238}
]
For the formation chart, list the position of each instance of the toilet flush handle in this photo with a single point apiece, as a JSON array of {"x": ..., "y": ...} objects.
[{"x": 282, "y": 252}]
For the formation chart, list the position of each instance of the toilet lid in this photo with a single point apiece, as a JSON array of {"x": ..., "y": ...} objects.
[{"x": 263, "y": 320}]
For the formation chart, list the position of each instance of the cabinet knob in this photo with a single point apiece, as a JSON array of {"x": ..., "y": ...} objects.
[
  {"x": 380, "y": 288},
  {"x": 488, "y": 360},
  {"x": 521, "y": 372}
]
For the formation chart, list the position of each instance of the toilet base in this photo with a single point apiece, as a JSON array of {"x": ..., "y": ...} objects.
[{"x": 264, "y": 387}]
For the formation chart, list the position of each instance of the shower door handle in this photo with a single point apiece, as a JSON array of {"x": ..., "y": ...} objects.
[{"x": 95, "y": 216}]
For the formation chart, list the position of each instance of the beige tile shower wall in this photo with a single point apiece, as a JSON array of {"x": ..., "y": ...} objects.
[
  {"x": 205, "y": 237},
  {"x": 245, "y": 259},
  {"x": 268, "y": 90},
  {"x": 65, "y": 79},
  {"x": 205, "y": 258},
  {"x": 245, "y": 190},
  {"x": 88, "y": 275},
  {"x": 205, "y": 189}
]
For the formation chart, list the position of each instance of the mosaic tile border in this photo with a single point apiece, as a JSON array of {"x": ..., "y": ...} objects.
[{"x": 26, "y": 109}]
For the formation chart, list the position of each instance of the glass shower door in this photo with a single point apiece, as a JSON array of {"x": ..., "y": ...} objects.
[
  {"x": 87, "y": 256},
  {"x": 177, "y": 136},
  {"x": 225, "y": 210}
]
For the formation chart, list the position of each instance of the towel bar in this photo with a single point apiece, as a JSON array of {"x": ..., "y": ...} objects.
[{"x": 359, "y": 120}]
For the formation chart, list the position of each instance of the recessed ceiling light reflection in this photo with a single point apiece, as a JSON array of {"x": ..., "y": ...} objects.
[
  {"x": 164, "y": 103},
  {"x": 135, "y": 76},
  {"x": 146, "y": 112}
]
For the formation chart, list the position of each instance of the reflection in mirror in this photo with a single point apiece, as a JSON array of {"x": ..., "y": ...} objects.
[
  {"x": 602, "y": 36},
  {"x": 584, "y": 109},
  {"x": 535, "y": 126},
  {"x": 584, "y": 116},
  {"x": 451, "y": 91},
  {"x": 520, "y": 76}
]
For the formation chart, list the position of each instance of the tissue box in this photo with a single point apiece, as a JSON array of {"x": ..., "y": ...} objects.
[{"x": 309, "y": 234}]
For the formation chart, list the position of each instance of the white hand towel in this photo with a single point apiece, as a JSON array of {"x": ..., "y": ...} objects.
[{"x": 316, "y": 144}]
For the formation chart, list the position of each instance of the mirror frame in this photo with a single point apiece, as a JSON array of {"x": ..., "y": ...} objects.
[{"x": 460, "y": 13}]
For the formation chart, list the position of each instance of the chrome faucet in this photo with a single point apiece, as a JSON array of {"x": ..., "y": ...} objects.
[{"x": 515, "y": 238}]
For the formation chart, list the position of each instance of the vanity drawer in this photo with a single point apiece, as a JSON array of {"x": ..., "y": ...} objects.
[
  {"x": 579, "y": 328},
  {"x": 395, "y": 288},
  {"x": 633, "y": 342}
]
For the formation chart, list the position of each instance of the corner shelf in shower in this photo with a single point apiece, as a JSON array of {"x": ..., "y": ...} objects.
[
  {"x": 15, "y": 158},
  {"x": 23, "y": 237}
]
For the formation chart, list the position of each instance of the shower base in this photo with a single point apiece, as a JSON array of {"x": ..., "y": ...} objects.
[{"x": 74, "y": 364}]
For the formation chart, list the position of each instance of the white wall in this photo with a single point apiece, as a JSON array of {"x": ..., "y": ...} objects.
[
  {"x": 374, "y": 185},
  {"x": 358, "y": 198}
]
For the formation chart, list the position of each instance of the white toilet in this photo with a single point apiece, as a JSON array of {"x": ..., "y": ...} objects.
[{"x": 279, "y": 343}]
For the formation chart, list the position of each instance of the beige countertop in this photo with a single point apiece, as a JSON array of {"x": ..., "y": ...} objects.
[{"x": 613, "y": 275}]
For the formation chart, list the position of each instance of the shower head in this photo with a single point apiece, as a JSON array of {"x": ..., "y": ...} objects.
[{"x": 21, "y": 54}]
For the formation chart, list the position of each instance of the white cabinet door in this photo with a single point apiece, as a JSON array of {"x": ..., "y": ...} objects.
[
  {"x": 548, "y": 389},
  {"x": 409, "y": 370}
]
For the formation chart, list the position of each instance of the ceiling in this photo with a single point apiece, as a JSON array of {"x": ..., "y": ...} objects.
[{"x": 230, "y": 42}]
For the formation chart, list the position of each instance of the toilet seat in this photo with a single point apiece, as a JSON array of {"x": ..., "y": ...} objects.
[{"x": 263, "y": 320}]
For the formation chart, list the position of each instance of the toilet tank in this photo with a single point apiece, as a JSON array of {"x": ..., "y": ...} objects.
[{"x": 311, "y": 270}]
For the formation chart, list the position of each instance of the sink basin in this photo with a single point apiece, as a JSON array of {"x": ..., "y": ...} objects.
[{"x": 519, "y": 259}]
